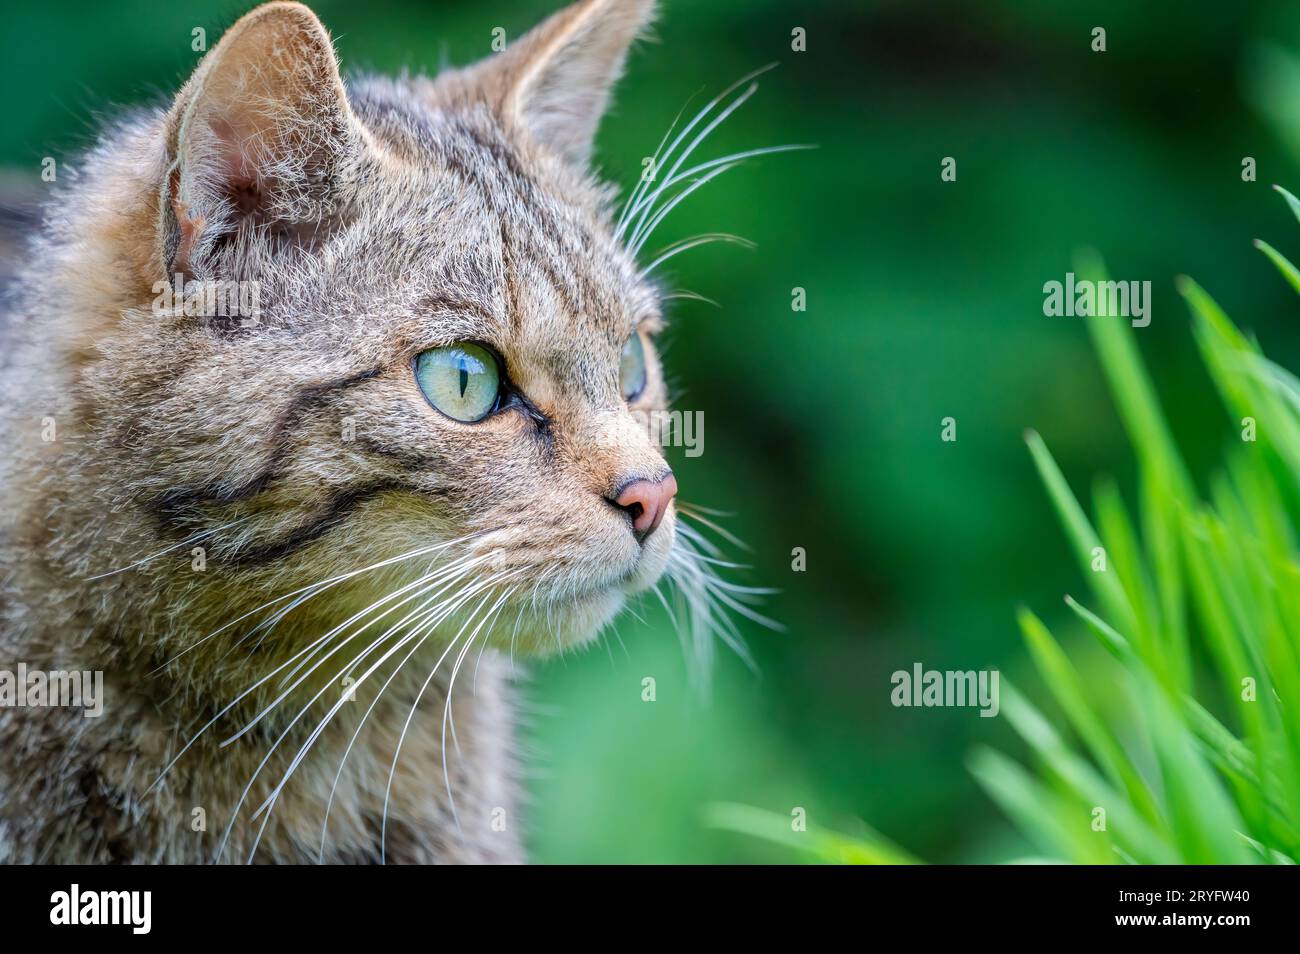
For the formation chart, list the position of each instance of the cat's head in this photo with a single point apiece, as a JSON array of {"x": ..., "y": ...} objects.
[{"x": 452, "y": 356}]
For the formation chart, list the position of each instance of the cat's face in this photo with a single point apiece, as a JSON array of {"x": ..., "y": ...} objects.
[{"x": 454, "y": 357}]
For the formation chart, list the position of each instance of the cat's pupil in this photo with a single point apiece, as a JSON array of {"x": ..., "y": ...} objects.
[{"x": 464, "y": 377}]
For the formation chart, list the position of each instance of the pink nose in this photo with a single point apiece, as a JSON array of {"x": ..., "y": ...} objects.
[{"x": 646, "y": 501}]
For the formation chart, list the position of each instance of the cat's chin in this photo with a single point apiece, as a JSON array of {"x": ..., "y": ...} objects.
[
  {"x": 581, "y": 619},
  {"x": 564, "y": 624},
  {"x": 577, "y": 621}
]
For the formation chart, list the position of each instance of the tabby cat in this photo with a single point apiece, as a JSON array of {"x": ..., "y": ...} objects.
[{"x": 410, "y": 450}]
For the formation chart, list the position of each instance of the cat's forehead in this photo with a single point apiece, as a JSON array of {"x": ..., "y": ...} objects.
[{"x": 512, "y": 244}]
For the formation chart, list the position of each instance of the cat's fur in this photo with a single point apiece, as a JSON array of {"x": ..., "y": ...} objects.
[{"x": 380, "y": 220}]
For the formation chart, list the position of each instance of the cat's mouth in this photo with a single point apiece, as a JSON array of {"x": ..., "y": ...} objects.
[
  {"x": 577, "y": 605},
  {"x": 636, "y": 578},
  {"x": 648, "y": 565}
]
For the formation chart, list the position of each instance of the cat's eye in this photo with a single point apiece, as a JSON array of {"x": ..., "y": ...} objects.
[
  {"x": 631, "y": 368},
  {"x": 462, "y": 381}
]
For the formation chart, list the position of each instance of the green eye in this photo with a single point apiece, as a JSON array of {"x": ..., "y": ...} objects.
[
  {"x": 461, "y": 380},
  {"x": 631, "y": 368}
]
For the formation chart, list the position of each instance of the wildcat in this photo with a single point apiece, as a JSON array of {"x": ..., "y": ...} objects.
[{"x": 413, "y": 436}]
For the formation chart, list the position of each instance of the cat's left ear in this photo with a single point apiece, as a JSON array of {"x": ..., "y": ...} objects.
[
  {"x": 261, "y": 134},
  {"x": 554, "y": 82}
]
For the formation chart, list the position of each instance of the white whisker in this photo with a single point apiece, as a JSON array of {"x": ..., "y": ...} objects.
[
  {"x": 315, "y": 734},
  {"x": 707, "y": 596},
  {"x": 647, "y": 229},
  {"x": 398, "y": 749},
  {"x": 319, "y": 587},
  {"x": 446, "y": 709},
  {"x": 699, "y": 117},
  {"x": 685, "y": 245},
  {"x": 644, "y": 183},
  {"x": 689, "y": 295},
  {"x": 288, "y": 662},
  {"x": 339, "y": 628},
  {"x": 194, "y": 538}
]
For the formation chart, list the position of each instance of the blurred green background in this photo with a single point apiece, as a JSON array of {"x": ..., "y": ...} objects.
[{"x": 822, "y": 428}]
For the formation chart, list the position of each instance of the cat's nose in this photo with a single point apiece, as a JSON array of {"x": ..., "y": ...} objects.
[{"x": 645, "y": 501}]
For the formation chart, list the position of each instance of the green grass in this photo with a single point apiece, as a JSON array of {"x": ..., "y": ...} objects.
[
  {"x": 1183, "y": 746},
  {"x": 1198, "y": 606},
  {"x": 813, "y": 842}
]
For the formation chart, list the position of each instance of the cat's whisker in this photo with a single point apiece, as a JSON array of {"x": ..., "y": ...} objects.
[
  {"x": 706, "y": 596},
  {"x": 514, "y": 633},
  {"x": 454, "y": 740},
  {"x": 744, "y": 610},
  {"x": 225, "y": 837},
  {"x": 477, "y": 663},
  {"x": 193, "y": 538},
  {"x": 267, "y": 625},
  {"x": 316, "y": 732},
  {"x": 426, "y": 624},
  {"x": 454, "y": 570},
  {"x": 645, "y": 231},
  {"x": 421, "y": 630},
  {"x": 695, "y": 508},
  {"x": 446, "y": 713},
  {"x": 229, "y": 706},
  {"x": 319, "y": 587},
  {"x": 735, "y": 158},
  {"x": 700, "y": 543},
  {"x": 690, "y": 296},
  {"x": 663, "y": 600},
  {"x": 695, "y": 121},
  {"x": 631, "y": 611},
  {"x": 685, "y": 245},
  {"x": 383, "y": 835},
  {"x": 427, "y": 572},
  {"x": 751, "y": 594},
  {"x": 648, "y": 202},
  {"x": 644, "y": 182},
  {"x": 527, "y": 604},
  {"x": 311, "y": 647},
  {"x": 698, "y": 516},
  {"x": 612, "y": 626},
  {"x": 725, "y": 564},
  {"x": 460, "y": 571}
]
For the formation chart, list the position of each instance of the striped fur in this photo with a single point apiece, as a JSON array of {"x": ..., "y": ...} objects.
[{"x": 379, "y": 219}]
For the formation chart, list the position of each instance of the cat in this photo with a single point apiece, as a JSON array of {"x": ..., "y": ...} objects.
[{"x": 323, "y": 399}]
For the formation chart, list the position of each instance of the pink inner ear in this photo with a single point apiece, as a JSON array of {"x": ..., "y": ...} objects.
[{"x": 239, "y": 171}]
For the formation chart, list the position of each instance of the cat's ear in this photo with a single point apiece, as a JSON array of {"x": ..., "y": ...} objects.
[
  {"x": 555, "y": 81},
  {"x": 262, "y": 132}
]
